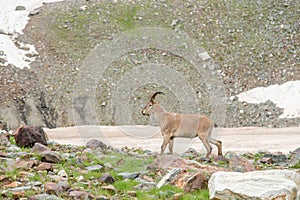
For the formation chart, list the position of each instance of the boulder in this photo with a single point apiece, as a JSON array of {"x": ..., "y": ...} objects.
[
  {"x": 50, "y": 156},
  {"x": 191, "y": 181},
  {"x": 191, "y": 176},
  {"x": 239, "y": 164},
  {"x": 27, "y": 136},
  {"x": 39, "y": 148},
  {"x": 277, "y": 157},
  {"x": 256, "y": 185},
  {"x": 95, "y": 144},
  {"x": 168, "y": 177}
]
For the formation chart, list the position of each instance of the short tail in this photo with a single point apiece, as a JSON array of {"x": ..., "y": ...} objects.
[{"x": 215, "y": 124}]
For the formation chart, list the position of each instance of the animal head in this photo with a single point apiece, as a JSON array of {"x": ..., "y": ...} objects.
[{"x": 148, "y": 109}]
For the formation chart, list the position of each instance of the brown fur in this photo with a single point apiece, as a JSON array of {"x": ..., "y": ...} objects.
[{"x": 182, "y": 125}]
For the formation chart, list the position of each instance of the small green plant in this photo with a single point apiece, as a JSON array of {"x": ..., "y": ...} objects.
[
  {"x": 29, "y": 193},
  {"x": 125, "y": 185},
  {"x": 296, "y": 166},
  {"x": 127, "y": 18}
]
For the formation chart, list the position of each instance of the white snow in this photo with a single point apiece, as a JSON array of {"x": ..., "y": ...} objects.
[
  {"x": 12, "y": 22},
  {"x": 286, "y": 96}
]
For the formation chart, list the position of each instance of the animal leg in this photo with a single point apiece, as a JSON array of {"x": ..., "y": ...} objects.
[
  {"x": 165, "y": 142},
  {"x": 171, "y": 142},
  {"x": 217, "y": 143},
  {"x": 207, "y": 146}
]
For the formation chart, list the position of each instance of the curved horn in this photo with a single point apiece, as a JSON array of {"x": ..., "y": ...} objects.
[{"x": 154, "y": 95}]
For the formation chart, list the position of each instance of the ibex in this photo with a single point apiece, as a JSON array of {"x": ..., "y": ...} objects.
[{"x": 182, "y": 125}]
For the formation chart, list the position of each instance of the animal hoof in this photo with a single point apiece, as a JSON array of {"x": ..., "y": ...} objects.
[{"x": 221, "y": 158}]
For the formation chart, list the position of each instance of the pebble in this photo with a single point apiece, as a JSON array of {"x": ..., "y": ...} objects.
[{"x": 94, "y": 168}]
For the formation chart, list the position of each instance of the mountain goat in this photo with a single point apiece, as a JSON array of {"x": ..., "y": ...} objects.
[{"x": 174, "y": 125}]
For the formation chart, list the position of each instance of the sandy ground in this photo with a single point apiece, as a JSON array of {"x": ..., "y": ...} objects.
[{"x": 248, "y": 139}]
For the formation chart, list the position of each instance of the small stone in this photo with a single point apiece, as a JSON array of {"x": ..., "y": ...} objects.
[
  {"x": 277, "y": 157},
  {"x": 26, "y": 174},
  {"x": 177, "y": 196},
  {"x": 39, "y": 148},
  {"x": 51, "y": 156},
  {"x": 63, "y": 186},
  {"x": 83, "y": 8},
  {"x": 107, "y": 178},
  {"x": 80, "y": 195},
  {"x": 145, "y": 186},
  {"x": 13, "y": 149},
  {"x": 34, "y": 12},
  {"x": 44, "y": 166},
  {"x": 50, "y": 187},
  {"x": 4, "y": 140},
  {"x": 239, "y": 164},
  {"x": 44, "y": 197},
  {"x": 94, "y": 144},
  {"x": 94, "y": 168},
  {"x": 20, "y": 8},
  {"x": 266, "y": 160},
  {"x": 13, "y": 184},
  {"x": 109, "y": 188},
  {"x": 175, "y": 22},
  {"x": 18, "y": 194},
  {"x": 23, "y": 188},
  {"x": 80, "y": 178},
  {"x": 131, "y": 193},
  {"x": 191, "y": 151},
  {"x": 62, "y": 173},
  {"x": 129, "y": 175},
  {"x": 23, "y": 164},
  {"x": 108, "y": 165},
  {"x": 204, "y": 56}
]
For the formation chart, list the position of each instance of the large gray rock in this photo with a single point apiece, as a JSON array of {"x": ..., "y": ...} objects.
[{"x": 256, "y": 185}]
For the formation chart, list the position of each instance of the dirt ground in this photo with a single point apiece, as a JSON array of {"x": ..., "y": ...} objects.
[{"x": 247, "y": 139}]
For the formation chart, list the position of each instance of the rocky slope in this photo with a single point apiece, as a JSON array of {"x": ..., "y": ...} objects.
[
  {"x": 98, "y": 171},
  {"x": 251, "y": 44}
]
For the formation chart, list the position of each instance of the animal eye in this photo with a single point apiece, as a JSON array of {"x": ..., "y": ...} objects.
[{"x": 150, "y": 105}]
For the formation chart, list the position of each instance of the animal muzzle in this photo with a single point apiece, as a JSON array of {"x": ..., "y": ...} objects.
[{"x": 144, "y": 113}]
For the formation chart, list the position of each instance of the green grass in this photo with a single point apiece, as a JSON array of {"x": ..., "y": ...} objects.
[
  {"x": 127, "y": 18},
  {"x": 168, "y": 191},
  {"x": 126, "y": 163},
  {"x": 125, "y": 185}
]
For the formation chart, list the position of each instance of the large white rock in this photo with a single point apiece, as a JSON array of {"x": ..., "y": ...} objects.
[{"x": 256, "y": 185}]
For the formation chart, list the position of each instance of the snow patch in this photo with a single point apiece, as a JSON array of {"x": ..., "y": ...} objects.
[
  {"x": 12, "y": 22},
  {"x": 286, "y": 96}
]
